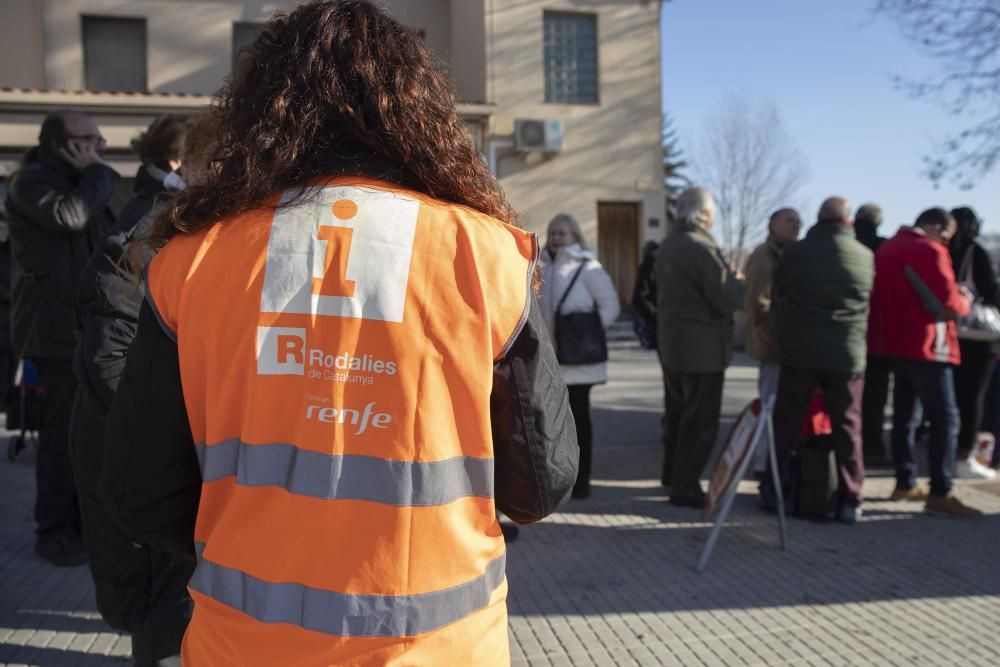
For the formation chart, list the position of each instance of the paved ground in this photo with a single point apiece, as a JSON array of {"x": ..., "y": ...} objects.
[{"x": 610, "y": 580}]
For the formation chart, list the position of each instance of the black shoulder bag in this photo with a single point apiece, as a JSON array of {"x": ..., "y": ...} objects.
[{"x": 579, "y": 336}]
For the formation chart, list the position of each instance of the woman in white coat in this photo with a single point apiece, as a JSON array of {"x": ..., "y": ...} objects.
[{"x": 565, "y": 252}]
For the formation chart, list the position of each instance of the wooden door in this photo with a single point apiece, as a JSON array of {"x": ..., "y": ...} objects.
[{"x": 618, "y": 245}]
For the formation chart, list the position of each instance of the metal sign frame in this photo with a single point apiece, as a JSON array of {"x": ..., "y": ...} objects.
[{"x": 764, "y": 426}]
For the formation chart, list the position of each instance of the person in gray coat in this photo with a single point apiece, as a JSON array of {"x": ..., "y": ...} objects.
[{"x": 698, "y": 292}]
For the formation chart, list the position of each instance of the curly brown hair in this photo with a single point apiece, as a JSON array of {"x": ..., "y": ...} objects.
[{"x": 327, "y": 80}]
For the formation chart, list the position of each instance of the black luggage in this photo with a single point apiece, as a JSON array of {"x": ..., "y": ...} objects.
[{"x": 809, "y": 481}]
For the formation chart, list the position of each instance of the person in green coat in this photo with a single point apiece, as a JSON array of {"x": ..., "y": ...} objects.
[
  {"x": 822, "y": 288},
  {"x": 697, "y": 293}
]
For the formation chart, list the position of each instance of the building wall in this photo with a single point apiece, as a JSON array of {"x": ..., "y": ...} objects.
[
  {"x": 612, "y": 149},
  {"x": 22, "y": 59},
  {"x": 189, "y": 42},
  {"x": 495, "y": 52}
]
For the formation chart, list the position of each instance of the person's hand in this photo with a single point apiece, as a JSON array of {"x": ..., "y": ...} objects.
[
  {"x": 80, "y": 155},
  {"x": 967, "y": 294}
]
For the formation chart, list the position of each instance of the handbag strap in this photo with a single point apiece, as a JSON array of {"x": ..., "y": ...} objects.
[
  {"x": 570, "y": 287},
  {"x": 965, "y": 271}
]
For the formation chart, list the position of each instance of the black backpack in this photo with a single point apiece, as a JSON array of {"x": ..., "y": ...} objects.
[{"x": 809, "y": 480}]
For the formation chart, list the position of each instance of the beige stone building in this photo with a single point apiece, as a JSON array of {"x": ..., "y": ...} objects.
[{"x": 588, "y": 70}]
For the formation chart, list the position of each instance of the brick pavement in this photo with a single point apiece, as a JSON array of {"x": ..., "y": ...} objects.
[{"x": 610, "y": 580}]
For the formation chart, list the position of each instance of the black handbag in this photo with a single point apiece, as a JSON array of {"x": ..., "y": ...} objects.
[
  {"x": 983, "y": 321},
  {"x": 579, "y": 336}
]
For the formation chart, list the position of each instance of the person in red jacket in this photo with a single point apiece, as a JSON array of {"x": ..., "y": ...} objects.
[{"x": 915, "y": 302}]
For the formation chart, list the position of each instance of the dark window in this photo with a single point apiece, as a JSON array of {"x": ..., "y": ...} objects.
[
  {"x": 244, "y": 34},
  {"x": 114, "y": 53},
  {"x": 570, "y": 58}
]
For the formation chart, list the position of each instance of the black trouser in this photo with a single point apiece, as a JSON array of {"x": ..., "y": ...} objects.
[
  {"x": 56, "y": 508},
  {"x": 579, "y": 405},
  {"x": 924, "y": 390},
  {"x": 693, "y": 403},
  {"x": 139, "y": 589},
  {"x": 873, "y": 401},
  {"x": 972, "y": 379}
]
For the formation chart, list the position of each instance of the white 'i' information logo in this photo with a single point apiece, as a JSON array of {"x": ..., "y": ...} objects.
[{"x": 346, "y": 253}]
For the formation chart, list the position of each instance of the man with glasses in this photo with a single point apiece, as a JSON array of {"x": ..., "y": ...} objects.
[{"x": 57, "y": 207}]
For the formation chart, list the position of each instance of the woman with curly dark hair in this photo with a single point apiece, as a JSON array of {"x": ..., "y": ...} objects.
[{"x": 341, "y": 373}]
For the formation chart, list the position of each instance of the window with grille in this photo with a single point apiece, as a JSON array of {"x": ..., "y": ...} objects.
[
  {"x": 570, "y": 58},
  {"x": 114, "y": 53}
]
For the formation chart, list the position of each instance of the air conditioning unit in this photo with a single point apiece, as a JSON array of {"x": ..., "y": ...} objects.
[{"x": 538, "y": 134}]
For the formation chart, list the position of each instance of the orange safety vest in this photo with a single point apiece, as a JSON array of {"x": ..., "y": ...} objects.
[{"x": 336, "y": 358}]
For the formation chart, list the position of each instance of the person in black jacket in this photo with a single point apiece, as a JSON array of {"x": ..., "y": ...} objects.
[
  {"x": 8, "y": 361},
  {"x": 58, "y": 213},
  {"x": 878, "y": 370},
  {"x": 159, "y": 148},
  {"x": 644, "y": 297},
  {"x": 139, "y": 590},
  {"x": 972, "y": 378}
]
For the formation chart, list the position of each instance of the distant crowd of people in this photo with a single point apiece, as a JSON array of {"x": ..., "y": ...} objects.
[{"x": 830, "y": 318}]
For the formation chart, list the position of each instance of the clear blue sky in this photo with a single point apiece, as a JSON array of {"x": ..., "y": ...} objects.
[{"x": 828, "y": 68}]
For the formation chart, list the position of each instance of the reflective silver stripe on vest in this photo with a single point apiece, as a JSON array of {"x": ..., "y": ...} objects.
[
  {"x": 342, "y": 614},
  {"x": 348, "y": 477}
]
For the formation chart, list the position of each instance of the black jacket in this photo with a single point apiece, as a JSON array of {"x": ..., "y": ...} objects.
[
  {"x": 139, "y": 590},
  {"x": 57, "y": 218},
  {"x": 109, "y": 299},
  {"x": 146, "y": 190},
  {"x": 4, "y": 298},
  {"x": 979, "y": 268},
  {"x": 867, "y": 235},
  {"x": 644, "y": 302},
  {"x": 150, "y": 480}
]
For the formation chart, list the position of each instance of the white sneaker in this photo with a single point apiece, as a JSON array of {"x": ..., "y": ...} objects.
[{"x": 970, "y": 468}]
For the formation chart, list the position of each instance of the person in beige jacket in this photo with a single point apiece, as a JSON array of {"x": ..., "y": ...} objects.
[{"x": 760, "y": 335}]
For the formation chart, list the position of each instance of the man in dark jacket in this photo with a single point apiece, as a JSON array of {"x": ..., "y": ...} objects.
[
  {"x": 914, "y": 305},
  {"x": 8, "y": 361},
  {"x": 822, "y": 287},
  {"x": 697, "y": 294},
  {"x": 58, "y": 212},
  {"x": 867, "y": 221},
  {"x": 138, "y": 589}
]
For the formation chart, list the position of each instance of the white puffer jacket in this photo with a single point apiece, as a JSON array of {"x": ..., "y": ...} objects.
[{"x": 593, "y": 289}]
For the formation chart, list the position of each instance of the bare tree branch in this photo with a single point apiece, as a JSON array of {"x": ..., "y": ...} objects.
[
  {"x": 752, "y": 166},
  {"x": 964, "y": 37}
]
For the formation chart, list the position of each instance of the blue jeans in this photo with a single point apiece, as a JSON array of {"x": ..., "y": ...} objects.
[{"x": 924, "y": 388}]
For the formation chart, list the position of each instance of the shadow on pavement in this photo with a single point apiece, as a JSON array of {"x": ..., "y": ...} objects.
[{"x": 606, "y": 556}]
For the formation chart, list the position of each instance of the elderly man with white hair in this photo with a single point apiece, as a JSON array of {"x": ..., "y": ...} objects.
[{"x": 698, "y": 294}]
